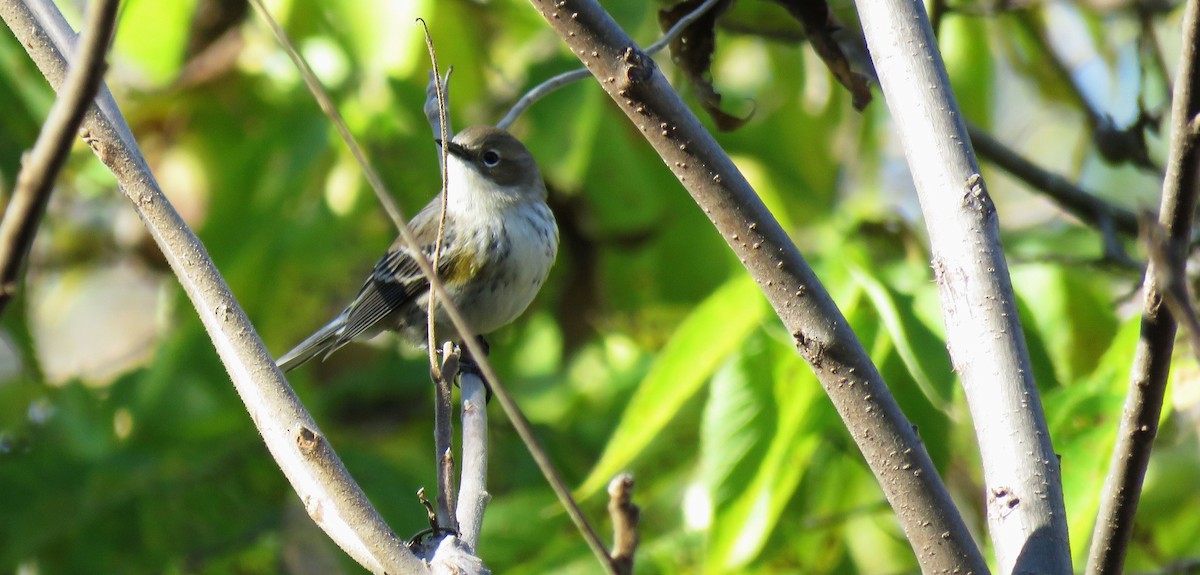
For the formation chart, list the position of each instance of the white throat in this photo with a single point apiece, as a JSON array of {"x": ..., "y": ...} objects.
[{"x": 471, "y": 190}]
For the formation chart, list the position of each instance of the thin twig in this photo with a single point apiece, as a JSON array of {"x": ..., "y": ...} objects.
[
  {"x": 1152, "y": 358},
  {"x": 1115, "y": 144},
  {"x": 1037, "y": 33},
  {"x": 36, "y": 178},
  {"x": 339, "y": 123},
  {"x": 1072, "y": 198},
  {"x": 443, "y": 437},
  {"x": 625, "y": 515},
  {"x": 679, "y": 27},
  {"x": 538, "y": 92},
  {"x": 554, "y": 83},
  {"x": 519, "y": 422},
  {"x": 443, "y": 151},
  {"x": 332, "y": 498},
  {"x": 1107, "y": 218},
  {"x": 1151, "y": 47},
  {"x": 433, "y": 109},
  {"x": 1169, "y": 273}
]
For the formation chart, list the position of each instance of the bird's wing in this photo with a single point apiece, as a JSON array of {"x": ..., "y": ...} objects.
[{"x": 395, "y": 280}]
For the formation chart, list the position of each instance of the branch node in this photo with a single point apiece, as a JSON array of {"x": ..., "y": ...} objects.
[
  {"x": 976, "y": 196},
  {"x": 308, "y": 441},
  {"x": 1194, "y": 126},
  {"x": 638, "y": 66},
  {"x": 625, "y": 516}
]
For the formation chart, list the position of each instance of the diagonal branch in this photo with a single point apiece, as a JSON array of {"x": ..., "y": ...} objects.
[
  {"x": 885, "y": 436},
  {"x": 1152, "y": 359},
  {"x": 1115, "y": 144},
  {"x": 1070, "y": 197},
  {"x": 41, "y": 167},
  {"x": 331, "y": 497},
  {"x": 1107, "y": 218},
  {"x": 567, "y": 78}
]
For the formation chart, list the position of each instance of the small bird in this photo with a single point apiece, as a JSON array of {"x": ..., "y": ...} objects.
[{"x": 499, "y": 242}]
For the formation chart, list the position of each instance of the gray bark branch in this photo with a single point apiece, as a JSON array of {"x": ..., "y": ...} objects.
[
  {"x": 1025, "y": 510},
  {"x": 35, "y": 181},
  {"x": 1152, "y": 358},
  {"x": 472, "y": 486},
  {"x": 330, "y": 495},
  {"x": 892, "y": 450}
]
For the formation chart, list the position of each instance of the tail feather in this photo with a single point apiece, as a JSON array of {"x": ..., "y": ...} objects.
[{"x": 320, "y": 343}]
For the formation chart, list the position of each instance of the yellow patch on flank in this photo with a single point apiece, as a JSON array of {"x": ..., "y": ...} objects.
[{"x": 464, "y": 268}]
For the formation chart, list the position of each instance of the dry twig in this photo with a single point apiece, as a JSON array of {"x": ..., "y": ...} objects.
[
  {"x": 625, "y": 516},
  {"x": 41, "y": 166}
]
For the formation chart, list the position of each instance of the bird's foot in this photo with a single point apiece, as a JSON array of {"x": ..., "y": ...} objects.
[{"x": 467, "y": 364}]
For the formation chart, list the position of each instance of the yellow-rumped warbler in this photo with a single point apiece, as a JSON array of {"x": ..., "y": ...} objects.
[{"x": 499, "y": 243}]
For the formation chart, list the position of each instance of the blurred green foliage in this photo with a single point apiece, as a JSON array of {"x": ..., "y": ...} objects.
[{"x": 649, "y": 350}]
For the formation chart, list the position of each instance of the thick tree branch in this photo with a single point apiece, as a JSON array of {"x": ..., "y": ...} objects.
[
  {"x": 1025, "y": 509},
  {"x": 330, "y": 495},
  {"x": 36, "y": 178},
  {"x": 1152, "y": 359},
  {"x": 886, "y": 438}
]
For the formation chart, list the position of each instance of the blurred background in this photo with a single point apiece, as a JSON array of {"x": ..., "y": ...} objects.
[{"x": 124, "y": 449}]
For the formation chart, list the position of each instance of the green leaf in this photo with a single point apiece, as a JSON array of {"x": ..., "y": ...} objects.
[
  {"x": 1070, "y": 313},
  {"x": 923, "y": 352},
  {"x": 718, "y": 327},
  {"x": 157, "y": 56},
  {"x": 1083, "y": 420},
  {"x": 971, "y": 69},
  {"x": 759, "y": 438}
]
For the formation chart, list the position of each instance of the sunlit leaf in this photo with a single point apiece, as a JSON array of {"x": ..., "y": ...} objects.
[
  {"x": 1070, "y": 313},
  {"x": 922, "y": 351},
  {"x": 699, "y": 345},
  {"x": 759, "y": 437}
]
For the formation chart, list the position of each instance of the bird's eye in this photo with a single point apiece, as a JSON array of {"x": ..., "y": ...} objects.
[{"x": 491, "y": 158}]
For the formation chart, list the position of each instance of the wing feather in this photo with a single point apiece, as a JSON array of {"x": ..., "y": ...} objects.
[{"x": 396, "y": 280}]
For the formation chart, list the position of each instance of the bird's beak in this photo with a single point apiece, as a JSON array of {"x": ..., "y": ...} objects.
[{"x": 455, "y": 149}]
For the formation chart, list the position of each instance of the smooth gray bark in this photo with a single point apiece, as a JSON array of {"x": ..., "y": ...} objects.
[
  {"x": 330, "y": 495},
  {"x": 1024, "y": 501}
]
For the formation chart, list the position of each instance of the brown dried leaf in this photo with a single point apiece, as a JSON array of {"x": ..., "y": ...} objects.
[
  {"x": 692, "y": 51},
  {"x": 820, "y": 24}
]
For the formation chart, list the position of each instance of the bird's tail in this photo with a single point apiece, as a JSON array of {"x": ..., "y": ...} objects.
[{"x": 322, "y": 342}]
